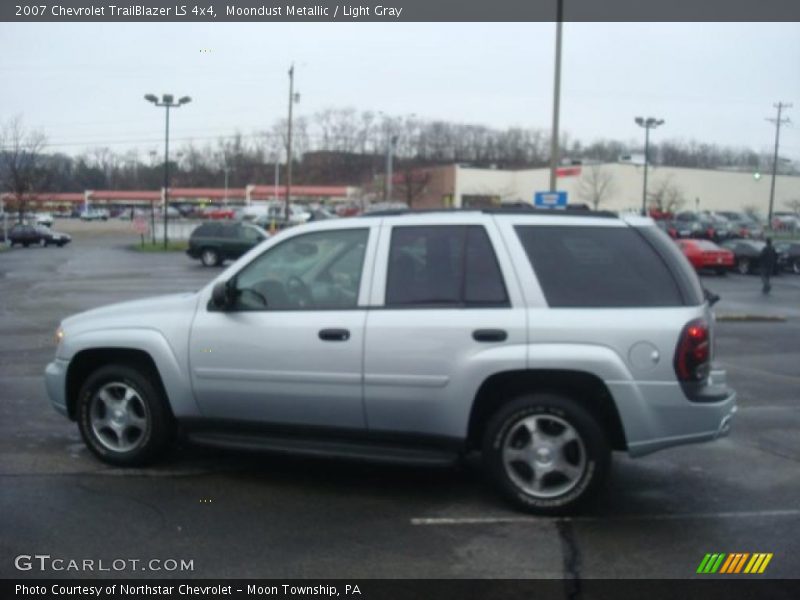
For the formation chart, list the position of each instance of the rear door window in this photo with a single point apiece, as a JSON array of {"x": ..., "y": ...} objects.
[
  {"x": 443, "y": 266},
  {"x": 598, "y": 267}
]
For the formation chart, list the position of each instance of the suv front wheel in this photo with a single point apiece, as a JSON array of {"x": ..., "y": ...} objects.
[
  {"x": 546, "y": 453},
  {"x": 123, "y": 417}
]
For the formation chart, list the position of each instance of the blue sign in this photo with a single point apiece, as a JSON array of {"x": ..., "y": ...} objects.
[{"x": 550, "y": 199}]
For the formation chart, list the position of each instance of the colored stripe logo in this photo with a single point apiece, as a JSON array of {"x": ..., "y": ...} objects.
[{"x": 737, "y": 562}]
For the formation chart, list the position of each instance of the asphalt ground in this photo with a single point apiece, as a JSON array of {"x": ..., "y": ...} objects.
[{"x": 252, "y": 515}]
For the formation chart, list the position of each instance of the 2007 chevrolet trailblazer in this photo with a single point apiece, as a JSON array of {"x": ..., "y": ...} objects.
[{"x": 542, "y": 340}]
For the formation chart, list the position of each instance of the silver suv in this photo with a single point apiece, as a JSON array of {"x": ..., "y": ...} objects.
[{"x": 542, "y": 341}]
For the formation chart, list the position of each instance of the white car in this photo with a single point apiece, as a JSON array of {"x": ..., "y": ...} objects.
[
  {"x": 94, "y": 215},
  {"x": 44, "y": 218}
]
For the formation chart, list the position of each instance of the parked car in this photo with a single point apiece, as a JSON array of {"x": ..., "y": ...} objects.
[
  {"x": 747, "y": 255},
  {"x": 785, "y": 221},
  {"x": 741, "y": 225},
  {"x": 704, "y": 254},
  {"x": 94, "y": 215},
  {"x": 789, "y": 255},
  {"x": 416, "y": 337},
  {"x": 219, "y": 213},
  {"x": 216, "y": 241},
  {"x": 28, "y": 235},
  {"x": 690, "y": 224},
  {"x": 274, "y": 211},
  {"x": 43, "y": 218},
  {"x": 668, "y": 227}
]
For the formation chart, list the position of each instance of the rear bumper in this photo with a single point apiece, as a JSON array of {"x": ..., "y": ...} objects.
[
  {"x": 55, "y": 380},
  {"x": 659, "y": 415}
]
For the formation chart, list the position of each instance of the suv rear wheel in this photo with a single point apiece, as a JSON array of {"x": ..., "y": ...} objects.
[
  {"x": 209, "y": 257},
  {"x": 546, "y": 453},
  {"x": 123, "y": 417}
]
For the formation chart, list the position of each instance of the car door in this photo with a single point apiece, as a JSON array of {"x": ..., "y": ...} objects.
[
  {"x": 290, "y": 349},
  {"x": 448, "y": 313}
]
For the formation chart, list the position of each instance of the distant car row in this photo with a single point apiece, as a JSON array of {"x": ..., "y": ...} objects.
[
  {"x": 714, "y": 226},
  {"x": 743, "y": 255}
]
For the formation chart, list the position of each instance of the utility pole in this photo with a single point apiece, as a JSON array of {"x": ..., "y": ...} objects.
[
  {"x": 778, "y": 122},
  {"x": 227, "y": 170},
  {"x": 556, "y": 97},
  {"x": 389, "y": 167}
]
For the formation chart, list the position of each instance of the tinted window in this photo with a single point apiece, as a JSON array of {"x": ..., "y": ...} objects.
[
  {"x": 249, "y": 234},
  {"x": 206, "y": 230},
  {"x": 601, "y": 267},
  {"x": 483, "y": 280},
  {"x": 443, "y": 266}
]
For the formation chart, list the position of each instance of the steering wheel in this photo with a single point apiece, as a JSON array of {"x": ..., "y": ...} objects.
[
  {"x": 262, "y": 299},
  {"x": 297, "y": 289}
]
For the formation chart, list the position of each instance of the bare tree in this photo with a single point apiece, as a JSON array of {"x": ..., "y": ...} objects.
[
  {"x": 793, "y": 205},
  {"x": 751, "y": 210},
  {"x": 665, "y": 196},
  {"x": 596, "y": 184},
  {"x": 21, "y": 163},
  {"x": 412, "y": 183}
]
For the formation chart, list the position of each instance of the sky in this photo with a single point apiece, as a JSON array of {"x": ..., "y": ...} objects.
[{"x": 83, "y": 83}]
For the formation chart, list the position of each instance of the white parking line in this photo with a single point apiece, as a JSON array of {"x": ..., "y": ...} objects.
[{"x": 791, "y": 512}]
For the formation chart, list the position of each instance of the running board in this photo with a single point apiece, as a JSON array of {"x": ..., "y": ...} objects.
[{"x": 367, "y": 450}]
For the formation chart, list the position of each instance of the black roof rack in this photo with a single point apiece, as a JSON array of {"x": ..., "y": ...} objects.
[{"x": 511, "y": 209}]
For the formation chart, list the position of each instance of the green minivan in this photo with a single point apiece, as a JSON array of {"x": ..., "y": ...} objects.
[{"x": 214, "y": 242}]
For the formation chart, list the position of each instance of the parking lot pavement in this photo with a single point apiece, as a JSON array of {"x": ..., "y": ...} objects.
[
  {"x": 740, "y": 295},
  {"x": 238, "y": 515}
]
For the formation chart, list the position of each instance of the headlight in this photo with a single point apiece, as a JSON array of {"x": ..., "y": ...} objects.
[{"x": 59, "y": 335}]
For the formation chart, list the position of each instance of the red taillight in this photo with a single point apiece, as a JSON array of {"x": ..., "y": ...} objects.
[{"x": 693, "y": 354}]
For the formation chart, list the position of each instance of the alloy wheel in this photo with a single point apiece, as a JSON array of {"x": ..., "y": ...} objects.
[
  {"x": 544, "y": 456},
  {"x": 119, "y": 417}
]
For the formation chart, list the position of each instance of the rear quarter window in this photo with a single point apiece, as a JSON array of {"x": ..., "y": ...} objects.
[{"x": 599, "y": 267}]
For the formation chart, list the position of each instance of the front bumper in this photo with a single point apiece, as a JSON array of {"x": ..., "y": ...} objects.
[{"x": 55, "y": 380}]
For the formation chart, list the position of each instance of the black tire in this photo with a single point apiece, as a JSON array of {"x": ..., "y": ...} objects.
[
  {"x": 722, "y": 272},
  {"x": 743, "y": 266},
  {"x": 60, "y": 244},
  {"x": 157, "y": 432},
  {"x": 553, "y": 409},
  {"x": 25, "y": 244},
  {"x": 210, "y": 257}
]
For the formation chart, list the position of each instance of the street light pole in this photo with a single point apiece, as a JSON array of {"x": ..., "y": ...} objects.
[
  {"x": 292, "y": 100},
  {"x": 166, "y": 176},
  {"x": 556, "y": 97},
  {"x": 648, "y": 124},
  {"x": 167, "y": 102}
]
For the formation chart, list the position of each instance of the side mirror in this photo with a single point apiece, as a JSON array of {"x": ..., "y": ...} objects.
[
  {"x": 222, "y": 296},
  {"x": 710, "y": 297}
]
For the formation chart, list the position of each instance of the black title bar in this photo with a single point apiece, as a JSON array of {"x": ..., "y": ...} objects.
[{"x": 391, "y": 11}]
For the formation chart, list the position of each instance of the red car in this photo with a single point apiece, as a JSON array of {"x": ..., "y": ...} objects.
[
  {"x": 217, "y": 214},
  {"x": 704, "y": 254}
]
